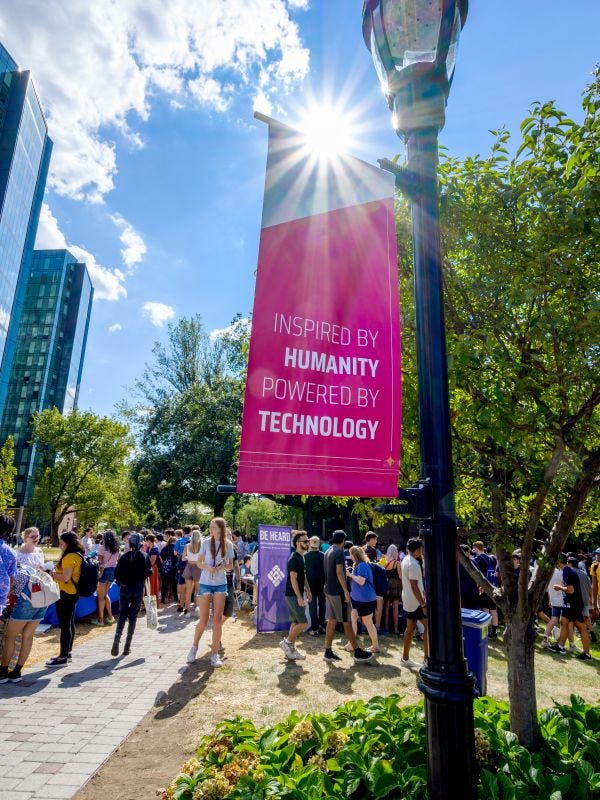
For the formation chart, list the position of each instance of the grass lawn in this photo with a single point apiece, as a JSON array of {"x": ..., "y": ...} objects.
[
  {"x": 258, "y": 682},
  {"x": 51, "y": 553}
]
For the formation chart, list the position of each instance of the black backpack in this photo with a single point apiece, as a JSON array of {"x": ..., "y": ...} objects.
[
  {"x": 380, "y": 580},
  {"x": 88, "y": 579}
]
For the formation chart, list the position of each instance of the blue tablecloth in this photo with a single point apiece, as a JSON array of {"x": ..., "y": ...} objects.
[{"x": 85, "y": 606}]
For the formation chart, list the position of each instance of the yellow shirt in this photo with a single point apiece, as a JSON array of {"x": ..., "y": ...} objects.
[{"x": 73, "y": 561}]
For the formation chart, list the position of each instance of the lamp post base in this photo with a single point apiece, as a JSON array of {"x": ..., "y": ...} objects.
[{"x": 449, "y": 725}]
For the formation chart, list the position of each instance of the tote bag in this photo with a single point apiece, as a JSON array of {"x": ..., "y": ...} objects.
[{"x": 151, "y": 610}]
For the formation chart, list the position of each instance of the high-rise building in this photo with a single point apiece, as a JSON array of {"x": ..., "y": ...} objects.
[
  {"x": 49, "y": 352},
  {"x": 24, "y": 158}
]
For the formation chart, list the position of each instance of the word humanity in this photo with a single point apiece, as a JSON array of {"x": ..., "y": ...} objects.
[{"x": 321, "y": 362}]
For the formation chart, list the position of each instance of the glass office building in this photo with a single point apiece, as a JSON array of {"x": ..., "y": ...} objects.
[
  {"x": 49, "y": 353},
  {"x": 24, "y": 158}
]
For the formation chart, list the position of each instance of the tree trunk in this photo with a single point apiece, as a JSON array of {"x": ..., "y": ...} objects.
[
  {"x": 54, "y": 532},
  {"x": 519, "y": 638},
  {"x": 219, "y": 505}
]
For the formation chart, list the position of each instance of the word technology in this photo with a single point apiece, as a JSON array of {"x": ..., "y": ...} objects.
[{"x": 308, "y": 425}]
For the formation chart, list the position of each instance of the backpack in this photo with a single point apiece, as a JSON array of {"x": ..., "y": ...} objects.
[
  {"x": 380, "y": 580},
  {"x": 43, "y": 590},
  {"x": 490, "y": 572},
  {"x": 88, "y": 579}
]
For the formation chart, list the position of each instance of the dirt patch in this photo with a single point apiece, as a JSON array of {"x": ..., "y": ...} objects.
[{"x": 259, "y": 683}]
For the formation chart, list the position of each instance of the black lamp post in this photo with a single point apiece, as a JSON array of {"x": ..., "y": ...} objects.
[{"x": 414, "y": 44}]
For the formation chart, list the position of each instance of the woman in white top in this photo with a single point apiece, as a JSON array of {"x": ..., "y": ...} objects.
[
  {"x": 29, "y": 553},
  {"x": 191, "y": 573},
  {"x": 216, "y": 557}
]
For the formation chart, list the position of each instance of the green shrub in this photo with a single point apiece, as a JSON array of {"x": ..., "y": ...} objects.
[{"x": 376, "y": 749}]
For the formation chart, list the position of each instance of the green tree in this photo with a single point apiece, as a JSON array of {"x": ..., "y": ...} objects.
[
  {"x": 260, "y": 511},
  {"x": 521, "y": 254},
  {"x": 8, "y": 473},
  {"x": 186, "y": 414},
  {"x": 84, "y": 458}
]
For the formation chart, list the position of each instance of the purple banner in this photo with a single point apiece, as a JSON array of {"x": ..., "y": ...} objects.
[{"x": 274, "y": 550}]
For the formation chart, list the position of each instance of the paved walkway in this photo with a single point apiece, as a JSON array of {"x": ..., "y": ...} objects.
[{"x": 59, "y": 725}]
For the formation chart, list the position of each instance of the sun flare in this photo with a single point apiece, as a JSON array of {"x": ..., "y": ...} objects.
[{"x": 328, "y": 130}]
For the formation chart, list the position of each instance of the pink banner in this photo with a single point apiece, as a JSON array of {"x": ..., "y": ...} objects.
[{"x": 322, "y": 410}]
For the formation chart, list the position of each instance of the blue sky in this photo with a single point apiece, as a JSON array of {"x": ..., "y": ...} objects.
[{"x": 158, "y": 170}]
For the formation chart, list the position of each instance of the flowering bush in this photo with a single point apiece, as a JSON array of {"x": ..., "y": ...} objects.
[{"x": 376, "y": 749}]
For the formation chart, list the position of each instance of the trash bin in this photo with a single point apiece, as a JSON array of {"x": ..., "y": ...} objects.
[{"x": 475, "y": 640}]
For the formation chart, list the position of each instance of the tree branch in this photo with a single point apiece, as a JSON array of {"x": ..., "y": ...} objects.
[
  {"x": 559, "y": 534},
  {"x": 535, "y": 513}
]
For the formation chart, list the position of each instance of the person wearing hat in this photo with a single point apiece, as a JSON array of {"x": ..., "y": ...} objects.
[
  {"x": 573, "y": 610},
  {"x": 131, "y": 572}
]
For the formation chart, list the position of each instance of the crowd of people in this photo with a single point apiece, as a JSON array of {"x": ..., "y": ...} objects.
[
  {"x": 338, "y": 586},
  {"x": 383, "y": 590},
  {"x": 182, "y": 566},
  {"x": 331, "y": 587}
]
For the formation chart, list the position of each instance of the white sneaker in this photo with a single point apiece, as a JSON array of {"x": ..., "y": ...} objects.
[
  {"x": 215, "y": 660},
  {"x": 409, "y": 663},
  {"x": 298, "y": 654},
  {"x": 574, "y": 649},
  {"x": 197, "y": 612},
  {"x": 191, "y": 656},
  {"x": 287, "y": 648}
]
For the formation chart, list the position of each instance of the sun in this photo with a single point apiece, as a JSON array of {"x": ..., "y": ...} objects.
[{"x": 327, "y": 129}]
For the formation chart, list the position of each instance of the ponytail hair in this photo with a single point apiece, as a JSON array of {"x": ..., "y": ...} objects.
[{"x": 222, "y": 525}]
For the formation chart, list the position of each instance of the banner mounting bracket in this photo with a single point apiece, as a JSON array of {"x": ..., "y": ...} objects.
[{"x": 417, "y": 502}]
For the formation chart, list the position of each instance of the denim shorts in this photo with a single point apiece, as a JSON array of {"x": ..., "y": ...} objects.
[
  {"x": 206, "y": 589},
  {"x": 107, "y": 575},
  {"x": 25, "y": 612}
]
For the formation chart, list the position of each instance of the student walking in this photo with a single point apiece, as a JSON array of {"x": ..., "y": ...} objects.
[
  {"x": 413, "y": 599},
  {"x": 191, "y": 572},
  {"x": 314, "y": 562},
  {"x": 168, "y": 579},
  {"x": 394, "y": 595},
  {"x": 338, "y": 601},
  {"x": 216, "y": 558},
  {"x": 132, "y": 570},
  {"x": 66, "y": 575},
  {"x": 108, "y": 554},
  {"x": 23, "y": 621},
  {"x": 297, "y": 592},
  {"x": 362, "y": 594}
]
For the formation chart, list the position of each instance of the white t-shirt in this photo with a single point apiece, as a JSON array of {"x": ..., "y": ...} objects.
[
  {"x": 556, "y": 598},
  {"x": 88, "y": 543},
  {"x": 35, "y": 559},
  {"x": 217, "y": 578},
  {"x": 411, "y": 570}
]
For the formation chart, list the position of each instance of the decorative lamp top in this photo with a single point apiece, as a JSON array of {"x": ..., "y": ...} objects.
[
  {"x": 406, "y": 33},
  {"x": 413, "y": 42}
]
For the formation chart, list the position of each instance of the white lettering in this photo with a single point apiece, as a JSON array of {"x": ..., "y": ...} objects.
[{"x": 309, "y": 425}]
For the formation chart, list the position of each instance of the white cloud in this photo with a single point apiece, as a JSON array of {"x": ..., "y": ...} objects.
[
  {"x": 114, "y": 328},
  {"x": 108, "y": 283},
  {"x": 134, "y": 247},
  {"x": 158, "y": 313},
  {"x": 98, "y": 64},
  {"x": 239, "y": 326}
]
